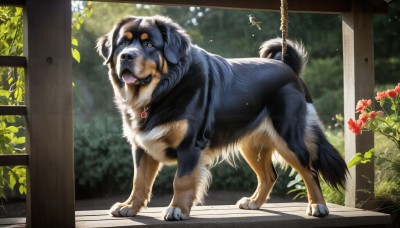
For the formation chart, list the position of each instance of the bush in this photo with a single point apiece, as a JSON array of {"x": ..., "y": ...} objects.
[
  {"x": 324, "y": 78},
  {"x": 103, "y": 160}
]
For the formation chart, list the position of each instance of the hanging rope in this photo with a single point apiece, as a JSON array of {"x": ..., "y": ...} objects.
[{"x": 284, "y": 26}]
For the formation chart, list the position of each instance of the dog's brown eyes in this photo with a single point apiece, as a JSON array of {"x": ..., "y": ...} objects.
[{"x": 149, "y": 45}]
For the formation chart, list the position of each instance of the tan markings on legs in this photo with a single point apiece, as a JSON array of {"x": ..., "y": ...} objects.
[
  {"x": 317, "y": 206},
  {"x": 188, "y": 190},
  {"x": 185, "y": 189},
  {"x": 314, "y": 192},
  {"x": 257, "y": 152},
  {"x": 176, "y": 133},
  {"x": 144, "y": 176}
]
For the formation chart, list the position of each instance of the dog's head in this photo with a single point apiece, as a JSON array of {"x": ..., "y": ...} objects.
[{"x": 140, "y": 51}]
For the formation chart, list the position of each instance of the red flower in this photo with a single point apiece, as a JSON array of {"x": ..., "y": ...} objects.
[
  {"x": 362, "y": 104},
  {"x": 363, "y": 117},
  {"x": 391, "y": 93},
  {"x": 354, "y": 126},
  {"x": 372, "y": 115},
  {"x": 380, "y": 95},
  {"x": 397, "y": 88},
  {"x": 380, "y": 112}
]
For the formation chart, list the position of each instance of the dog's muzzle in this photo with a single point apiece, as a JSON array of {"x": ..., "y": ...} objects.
[{"x": 129, "y": 78}]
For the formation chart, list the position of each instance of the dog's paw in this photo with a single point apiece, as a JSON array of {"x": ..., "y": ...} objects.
[
  {"x": 248, "y": 204},
  {"x": 174, "y": 214},
  {"x": 317, "y": 210},
  {"x": 122, "y": 210}
]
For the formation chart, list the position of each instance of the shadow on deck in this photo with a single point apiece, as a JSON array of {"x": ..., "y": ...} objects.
[{"x": 271, "y": 215}]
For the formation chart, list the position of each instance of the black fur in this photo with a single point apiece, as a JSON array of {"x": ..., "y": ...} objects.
[{"x": 225, "y": 99}]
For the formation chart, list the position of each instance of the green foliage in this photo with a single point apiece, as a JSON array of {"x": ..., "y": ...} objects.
[
  {"x": 297, "y": 185},
  {"x": 324, "y": 79},
  {"x": 10, "y": 31},
  {"x": 12, "y": 91},
  {"x": 79, "y": 15},
  {"x": 102, "y": 155},
  {"x": 226, "y": 177},
  {"x": 361, "y": 158}
]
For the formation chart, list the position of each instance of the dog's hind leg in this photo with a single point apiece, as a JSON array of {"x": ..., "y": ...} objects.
[
  {"x": 258, "y": 153},
  {"x": 145, "y": 172},
  {"x": 316, "y": 203}
]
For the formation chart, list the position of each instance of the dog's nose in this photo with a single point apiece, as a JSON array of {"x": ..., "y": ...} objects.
[{"x": 128, "y": 56}]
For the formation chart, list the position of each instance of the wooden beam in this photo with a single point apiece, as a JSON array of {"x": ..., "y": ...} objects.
[
  {"x": 47, "y": 46},
  {"x": 12, "y": 3},
  {"x": 358, "y": 66},
  {"x": 12, "y": 61},
  {"x": 14, "y": 159},
  {"x": 310, "y": 6},
  {"x": 18, "y": 110}
]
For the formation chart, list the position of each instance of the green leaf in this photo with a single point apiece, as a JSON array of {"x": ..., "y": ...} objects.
[
  {"x": 74, "y": 42},
  {"x": 369, "y": 154},
  {"x": 76, "y": 55},
  {"x": 12, "y": 129},
  {"x": 10, "y": 119},
  {"x": 12, "y": 181},
  {"x": 77, "y": 26},
  {"x": 19, "y": 140},
  {"x": 22, "y": 189},
  {"x": 4, "y": 93},
  {"x": 355, "y": 160},
  {"x": 291, "y": 183}
]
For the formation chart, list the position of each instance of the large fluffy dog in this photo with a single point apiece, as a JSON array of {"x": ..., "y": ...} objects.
[{"x": 182, "y": 104}]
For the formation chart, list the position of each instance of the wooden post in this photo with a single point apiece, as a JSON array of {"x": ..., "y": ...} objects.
[
  {"x": 47, "y": 46},
  {"x": 358, "y": 65}
]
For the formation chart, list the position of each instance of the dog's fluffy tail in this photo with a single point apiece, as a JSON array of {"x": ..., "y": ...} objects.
[
  {"x": 296, "y": 56},
  {"x": 330, "y": 163}
]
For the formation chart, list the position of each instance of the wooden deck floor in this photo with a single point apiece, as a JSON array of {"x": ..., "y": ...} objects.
[{"x": 271, "y": 215}]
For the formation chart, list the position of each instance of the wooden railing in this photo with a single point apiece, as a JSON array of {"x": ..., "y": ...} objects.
[{"x": 48, "y": 112}]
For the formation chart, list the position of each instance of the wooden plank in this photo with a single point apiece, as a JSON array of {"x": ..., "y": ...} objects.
[
  {"x": 326, "y": 6},
  {"x": 18, "y": 110},
  {"x": 310, "y": 6},
  {"x": 14, "y": 159},
  {"x": 12, "y": 221},
  {"x": 12, "y": 2},
  {"x": 12, "y": 61},
  {"x": 275, "y": 215},
  {"x": 358, "y": 66},
  {"x": 47, "y": 46}
]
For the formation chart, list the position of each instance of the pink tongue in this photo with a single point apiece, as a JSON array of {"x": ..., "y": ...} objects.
[{"x": 129, "y": 78}]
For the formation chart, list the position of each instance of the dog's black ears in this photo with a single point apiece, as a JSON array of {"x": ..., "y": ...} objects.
[
  {"x": 105, "y": 47},
  {"x": 176, "y": 41},
  {"x": 106, "y": 44}
]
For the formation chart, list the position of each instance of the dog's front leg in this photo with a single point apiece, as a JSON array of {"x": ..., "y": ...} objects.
[
  {"x": 186, "y": 185},
  {"x": 145, "y": 172}
]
